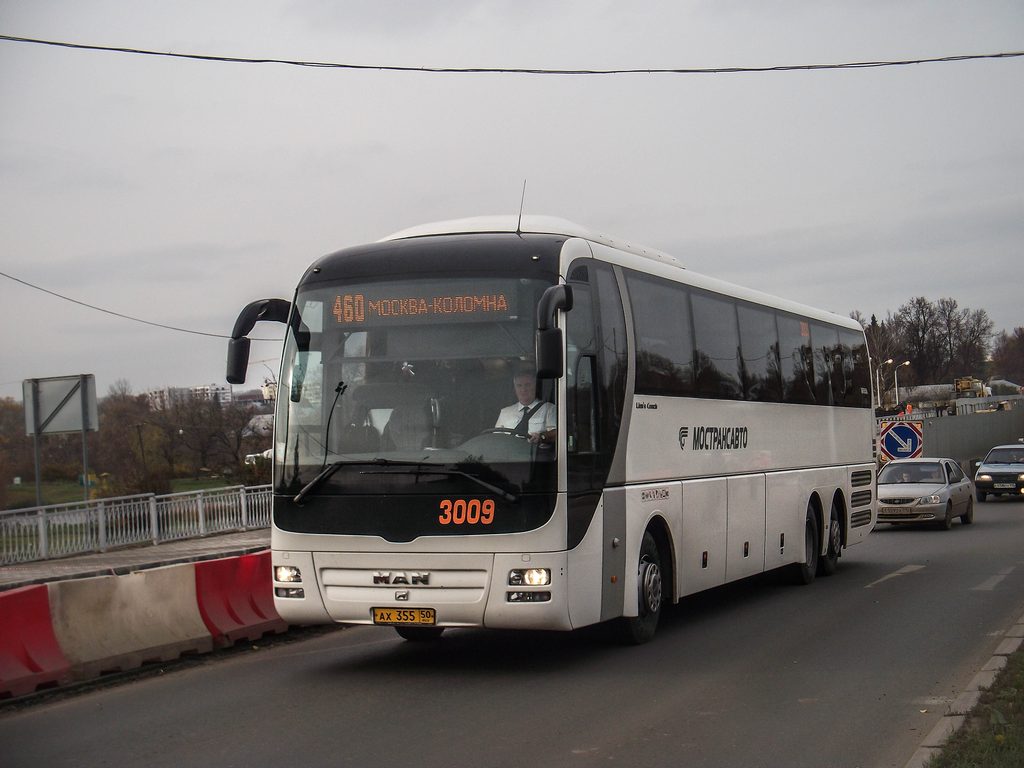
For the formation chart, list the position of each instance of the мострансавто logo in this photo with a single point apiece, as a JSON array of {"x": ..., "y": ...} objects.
[{"x": 713, "y": 438}]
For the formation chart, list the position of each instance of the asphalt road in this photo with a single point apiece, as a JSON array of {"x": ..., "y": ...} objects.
[{"x": 853, "y": 670}]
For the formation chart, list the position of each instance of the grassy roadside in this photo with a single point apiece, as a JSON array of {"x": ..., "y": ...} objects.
[{"x": 993, "y": 735}]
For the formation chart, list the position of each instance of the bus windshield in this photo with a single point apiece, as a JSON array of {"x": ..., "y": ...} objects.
[{"x": 396, "y": 387}]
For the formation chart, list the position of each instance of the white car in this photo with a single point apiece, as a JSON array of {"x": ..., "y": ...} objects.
[{"x": 924, "y": 491}]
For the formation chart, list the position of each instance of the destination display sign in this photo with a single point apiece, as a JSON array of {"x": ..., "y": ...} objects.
[{"x": 411, "y": 302}]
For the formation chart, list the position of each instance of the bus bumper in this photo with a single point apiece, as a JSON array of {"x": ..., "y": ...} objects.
[{"x": 463, "y": 590}]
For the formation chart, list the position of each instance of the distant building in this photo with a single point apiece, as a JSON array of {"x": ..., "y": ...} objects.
[
  {"x": 220, "y": 393},
  {"x": 252, "y": 398},
  {"x": 162, "y": 399}
]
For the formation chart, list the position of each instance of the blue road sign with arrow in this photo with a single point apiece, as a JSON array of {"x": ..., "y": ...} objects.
[{"x": 901, "y": 440}]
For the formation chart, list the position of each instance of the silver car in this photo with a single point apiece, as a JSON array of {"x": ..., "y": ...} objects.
[
  {"x": 924, "y": 491},
  {"x": 1001, "y": 472}
]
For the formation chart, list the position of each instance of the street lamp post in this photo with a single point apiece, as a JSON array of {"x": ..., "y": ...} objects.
[
  {"x": 878, "y": 380},
  {"x": 896, "y": 380}
]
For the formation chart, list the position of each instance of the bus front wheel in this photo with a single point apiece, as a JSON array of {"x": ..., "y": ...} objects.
[{"x": 638, "y": 629}]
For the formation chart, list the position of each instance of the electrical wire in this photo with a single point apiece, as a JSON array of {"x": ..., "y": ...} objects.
[
  {"x": 118, "y": 314},
  {"x": 513, "y": 70}
]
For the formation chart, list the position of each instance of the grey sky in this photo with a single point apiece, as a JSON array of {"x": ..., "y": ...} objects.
[{"x": 177, "y": 191}]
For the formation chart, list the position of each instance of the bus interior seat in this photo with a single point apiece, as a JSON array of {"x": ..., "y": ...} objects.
[{"x": 409, "y": 428}]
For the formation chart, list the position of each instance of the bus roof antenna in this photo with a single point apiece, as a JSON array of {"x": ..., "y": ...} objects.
[{"x": 522, "y": 200}]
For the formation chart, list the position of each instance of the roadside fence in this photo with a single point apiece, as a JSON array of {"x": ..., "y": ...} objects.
[{"x": 61, "y": 530}]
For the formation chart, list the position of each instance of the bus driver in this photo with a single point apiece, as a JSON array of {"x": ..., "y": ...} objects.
[{"x": 529, "y": 417}]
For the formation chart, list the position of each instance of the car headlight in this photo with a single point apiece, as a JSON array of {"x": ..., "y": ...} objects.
[
  {"x": 983, "y": 478},
  {"x": 1019, "y": 478},
  {"x": 930, "y": 500}
]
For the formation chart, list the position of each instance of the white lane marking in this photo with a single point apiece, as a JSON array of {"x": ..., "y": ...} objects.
[
  {"x": 901, "y": 572},
  {"x": 991, "y": 583}
]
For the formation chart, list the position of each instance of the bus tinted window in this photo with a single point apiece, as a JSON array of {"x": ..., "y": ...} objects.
[
  {"x": 856, "y": 372},
  {"x": 664, "y": 354},
  {"x": 759, "y": 345},
  {"x": 718, "y": 343},
  {"x": 828, "y": 364},
  {"x": 613, "y": 346},
  {"x": 795, "y": 359}
]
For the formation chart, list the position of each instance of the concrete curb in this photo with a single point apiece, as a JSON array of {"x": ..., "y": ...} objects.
[{"x": 958, "y": 712}]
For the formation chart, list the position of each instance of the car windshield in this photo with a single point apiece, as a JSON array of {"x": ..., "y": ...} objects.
[
  {"x": 1005, "y": 456},
  {"x": 404, "y": 384},
  {"x": 895, "y": 473}
]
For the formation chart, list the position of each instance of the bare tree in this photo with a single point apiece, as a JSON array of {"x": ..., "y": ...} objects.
[{"x": 1008, "y": 356}]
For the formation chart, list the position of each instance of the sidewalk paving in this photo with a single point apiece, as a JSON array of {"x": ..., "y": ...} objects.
[{"x": 121, "y": 561}]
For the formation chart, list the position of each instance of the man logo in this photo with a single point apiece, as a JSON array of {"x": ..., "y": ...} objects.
[{"x": 684, "y": 432}]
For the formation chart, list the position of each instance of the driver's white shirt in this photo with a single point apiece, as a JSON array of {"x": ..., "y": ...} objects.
[{"x": 543, "y": 419}]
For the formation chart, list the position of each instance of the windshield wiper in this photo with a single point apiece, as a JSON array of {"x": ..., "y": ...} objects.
[
  {"x": 419, "y": 470},
  {"x": 411, "y": 467},
  {"x": 329, "y": 470},
  {"x": 324, "y": 473}
]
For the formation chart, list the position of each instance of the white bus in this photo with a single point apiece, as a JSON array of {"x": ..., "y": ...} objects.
[{"x": 699, "y": 432}]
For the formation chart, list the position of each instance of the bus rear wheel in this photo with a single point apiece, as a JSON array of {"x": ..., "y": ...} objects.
[
  {"x": 828, "y": 564},
  {"x": 804, "y": 573},
  {"x": 634, "y": 630}
]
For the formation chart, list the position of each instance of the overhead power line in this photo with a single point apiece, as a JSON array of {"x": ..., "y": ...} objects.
[
  {"x": 118, "y": 314},
  {"x": 513, "y": 70}
]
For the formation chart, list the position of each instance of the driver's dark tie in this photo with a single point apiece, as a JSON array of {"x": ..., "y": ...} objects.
[{"x": 523, "y": 427}]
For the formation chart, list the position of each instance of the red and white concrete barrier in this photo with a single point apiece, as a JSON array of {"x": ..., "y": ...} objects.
[{"x": 81, "y": 628}]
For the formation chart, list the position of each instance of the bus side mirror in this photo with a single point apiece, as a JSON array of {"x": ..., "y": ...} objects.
[
  {"x": 550, "y": 361},
  {"x": 238, "y": 360},
  {"x": 274, "y": 310}
]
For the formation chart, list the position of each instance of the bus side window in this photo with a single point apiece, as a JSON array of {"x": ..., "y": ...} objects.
[
  {"x": 795, "y": 359},
  {"x": 718, "y": 346},
  {"x": 580, "y": 358},
  {"x": 584, "y": 415},
  {"x": 827, "y": 364}
]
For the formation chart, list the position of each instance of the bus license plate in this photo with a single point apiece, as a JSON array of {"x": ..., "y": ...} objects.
[{"x": 405, "y": 616}]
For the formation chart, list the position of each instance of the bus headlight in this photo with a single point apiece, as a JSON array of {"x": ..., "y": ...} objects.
[
  {"x": 287, "y": 574},
  {"x": 529, "y": 577}
]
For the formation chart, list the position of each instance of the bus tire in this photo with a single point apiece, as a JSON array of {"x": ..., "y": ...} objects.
[
  {"x": 804, "y": 573},
  {"x": 419, "y": 634},
  {"x": 828, "y": 564},
  {"x": 635, "y": 630}
]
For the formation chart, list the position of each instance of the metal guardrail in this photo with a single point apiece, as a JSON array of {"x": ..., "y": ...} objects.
[{"x": 60, "y": 530}]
